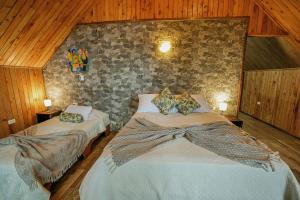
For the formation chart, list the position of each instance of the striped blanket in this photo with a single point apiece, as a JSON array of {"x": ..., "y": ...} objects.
[{"x": 222, "y": 138}]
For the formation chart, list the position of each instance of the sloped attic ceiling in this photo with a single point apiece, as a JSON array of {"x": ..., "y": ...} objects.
[
  {"x": 271, "y": 53},
  {"x": 285, "y": 13},
  {"x": 31, "y": 30}
]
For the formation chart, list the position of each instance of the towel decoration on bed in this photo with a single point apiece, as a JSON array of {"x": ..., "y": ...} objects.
[
  {"x": 222, "y": 138},
  {"x": 45, "y": 158},
  {"x": 71, "y": 117}
]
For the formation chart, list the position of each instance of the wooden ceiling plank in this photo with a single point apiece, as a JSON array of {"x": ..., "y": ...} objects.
[
  {"x": 221, "y": 8},
  {"x": 43, "y": 44},
  {"x": 67, "y": 26},
  {"x": 5, "y": 22},
  {"x": 28, "y": 34},
  {"x": 42, "y": 25},
  {"x": 5, "y": 8},
  {"x": 16, "y": 27},
  {"x": 285, "y": 14}
]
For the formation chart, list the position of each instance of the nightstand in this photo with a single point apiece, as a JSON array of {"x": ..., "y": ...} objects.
[
  {"x": 236, "y": 121},
  {"x": 45, "y": 115}
]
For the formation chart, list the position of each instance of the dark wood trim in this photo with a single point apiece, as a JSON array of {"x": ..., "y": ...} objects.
[
  {"x": 164, "y": 19},
  {"x": 239, "y": 98}
]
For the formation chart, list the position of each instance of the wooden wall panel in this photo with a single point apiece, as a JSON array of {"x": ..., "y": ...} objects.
[
  {"x": 278, "y": 92},
  {"x": 114, "y": 10},
  {"x": 21, "y": 95}
]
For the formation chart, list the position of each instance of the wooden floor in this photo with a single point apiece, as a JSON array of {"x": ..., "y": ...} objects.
[{"x": 288, "y": 146}]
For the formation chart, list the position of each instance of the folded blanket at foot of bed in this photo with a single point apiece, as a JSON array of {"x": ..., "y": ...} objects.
[
  {"x": 221, "y": 138},
  {"x": 45, "y": 158}
]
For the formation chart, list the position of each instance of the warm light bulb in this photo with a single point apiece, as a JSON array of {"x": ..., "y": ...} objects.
[
  {"x": 47, "y": 102},
  {"x": 223, "y": 106},
  {"x": 221, "y": 97},
  {"x": 165, "y": 46}
]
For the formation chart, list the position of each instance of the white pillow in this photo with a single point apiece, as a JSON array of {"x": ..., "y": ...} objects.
[
  {"x": 145, "y": 104},
  {"x": 83, "y": 110},
  {"x": 204, "y": 106}
]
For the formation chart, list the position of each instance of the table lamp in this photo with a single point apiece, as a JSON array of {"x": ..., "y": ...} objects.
[{"x": 48, "y": 103}]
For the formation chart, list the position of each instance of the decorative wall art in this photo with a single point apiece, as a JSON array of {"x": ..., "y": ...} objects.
[{"x": 77, "y": 60}]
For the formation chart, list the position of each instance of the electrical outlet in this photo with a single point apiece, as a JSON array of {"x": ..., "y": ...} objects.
[{"x": 11, "y": 121}]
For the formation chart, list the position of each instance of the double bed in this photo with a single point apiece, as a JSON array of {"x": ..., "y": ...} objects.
[
  {"x": 12, "y": 186},
  {"x": 179, "y": 169}
]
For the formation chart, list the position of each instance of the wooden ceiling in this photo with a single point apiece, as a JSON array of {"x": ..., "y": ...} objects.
[
  {"x": 271, "y": 53},
  {"x": 112, "y": 10},
  {"x": 31, "y": 30},
  {"x": 285, "y": 13}
]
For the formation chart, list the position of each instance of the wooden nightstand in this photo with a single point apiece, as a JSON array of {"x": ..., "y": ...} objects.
[
  {"x": 45, "y": 115},
  {"x": 236, "y": 121}
]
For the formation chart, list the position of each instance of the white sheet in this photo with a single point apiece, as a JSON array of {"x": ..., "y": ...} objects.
[
  {"x": 181, "y": 170},
  {"x": 12, "y": 186}
]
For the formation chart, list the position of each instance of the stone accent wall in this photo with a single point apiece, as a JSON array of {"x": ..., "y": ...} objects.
[{"x": 206, "y": 57}]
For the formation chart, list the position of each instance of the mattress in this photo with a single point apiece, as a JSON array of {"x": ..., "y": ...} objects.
[
  {"x": 12, "y": 186},
  {"x": 181, "y": 170}
]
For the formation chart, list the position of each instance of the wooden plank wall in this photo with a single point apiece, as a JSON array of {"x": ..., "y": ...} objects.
[
  {"x": 21, "y": 95},
  {"x": 115, "y": 10},
  {"x": 278, "y": 92}
]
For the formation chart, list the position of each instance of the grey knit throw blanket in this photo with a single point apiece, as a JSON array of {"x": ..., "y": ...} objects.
[
  {"x": 222, "y": 138},
  {"x": 45, "y": 158}
]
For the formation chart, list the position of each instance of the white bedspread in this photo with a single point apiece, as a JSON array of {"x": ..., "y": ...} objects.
[
  {"x": 12, "y": 186},
  {"x": 181, "y": 170}
]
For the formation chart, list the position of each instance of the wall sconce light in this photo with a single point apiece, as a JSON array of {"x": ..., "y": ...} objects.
[
  {"x": 48, "y": 103},
  {"x": 165, "y": 46}
]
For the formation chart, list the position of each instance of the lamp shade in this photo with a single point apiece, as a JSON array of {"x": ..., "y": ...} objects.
[
  {"x": 47, "y": 102},
  {"x": 223, "y": 106}
]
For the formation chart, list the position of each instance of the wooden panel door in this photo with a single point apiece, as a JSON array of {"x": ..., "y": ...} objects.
[{"x": 288, "y": 102}]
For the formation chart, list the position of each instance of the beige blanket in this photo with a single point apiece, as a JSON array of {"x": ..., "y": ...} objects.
[
  {"x": 221, "y": 138},
  {"x": 45, "y": 158}
]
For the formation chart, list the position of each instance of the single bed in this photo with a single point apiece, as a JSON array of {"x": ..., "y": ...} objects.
[
  {"x": 13, "y": 187},
  {"x": 179, "y": 170}
]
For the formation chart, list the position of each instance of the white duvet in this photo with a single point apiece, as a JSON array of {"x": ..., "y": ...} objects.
[
  {"x": 12, "y": 186},
  {"x": 180, "y": 170}
]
